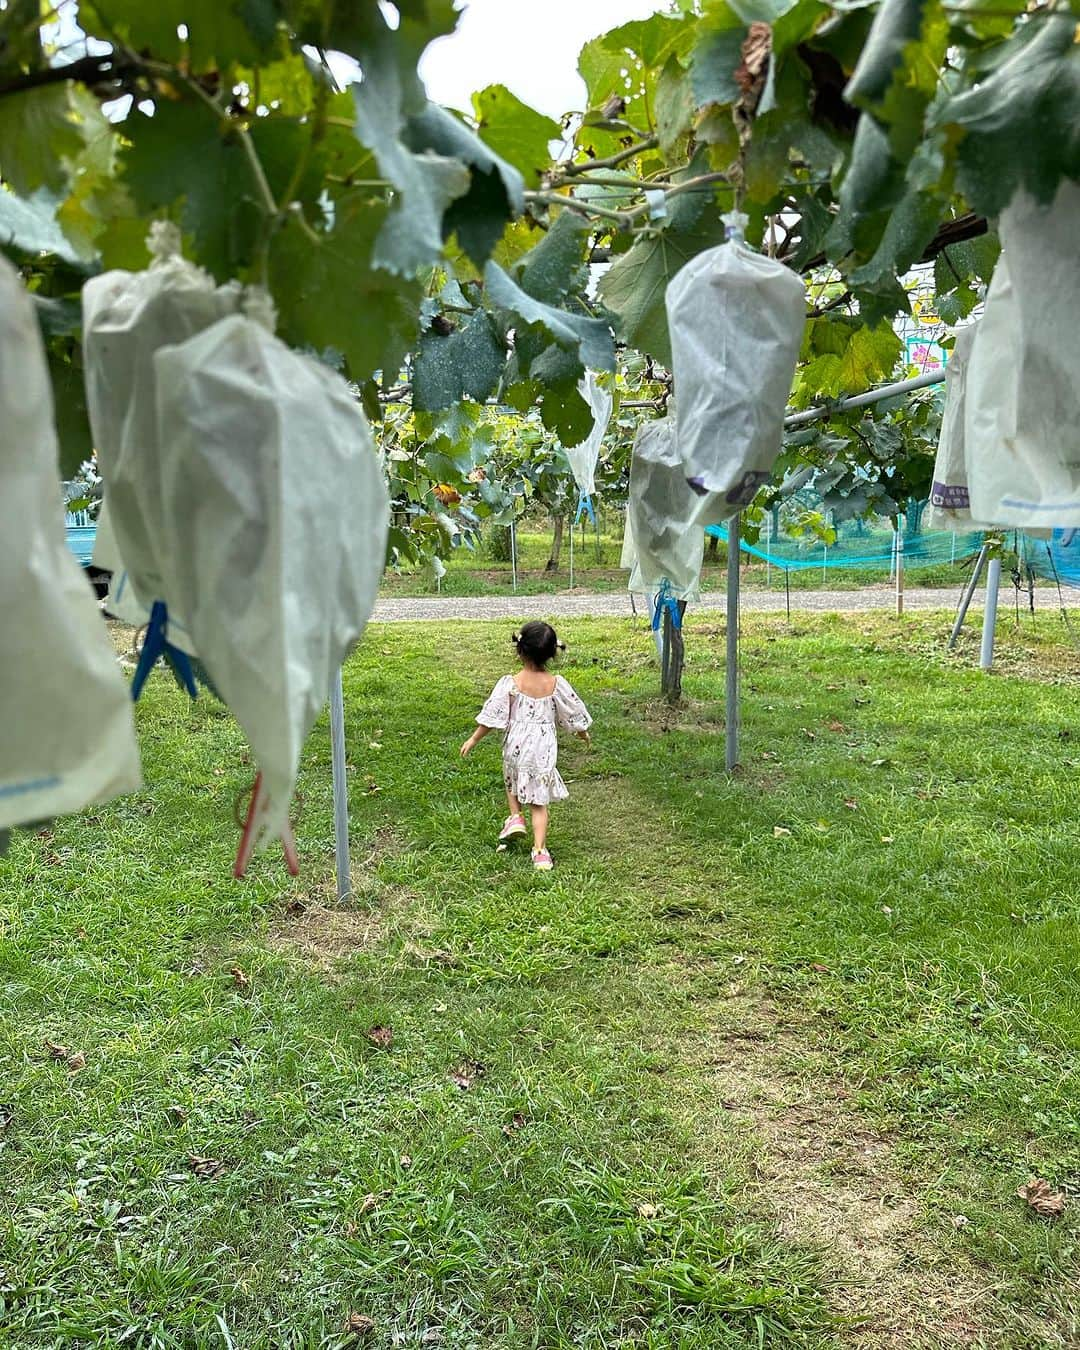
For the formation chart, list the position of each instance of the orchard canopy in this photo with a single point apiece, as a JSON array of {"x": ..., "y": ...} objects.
[{"x": 445, "y": 263}]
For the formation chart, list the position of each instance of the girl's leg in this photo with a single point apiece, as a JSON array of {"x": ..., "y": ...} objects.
[
  {"x": 539, "y": 826},
  {"x": 513, "y": 803}
]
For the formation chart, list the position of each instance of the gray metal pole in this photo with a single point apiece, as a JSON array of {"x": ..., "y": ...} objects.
[
  {"x": 731, "y": 672},
  {"x": 993, "y": 583},
  {"x": 900, "y": 568},
  {"x": 513, "y": 555},
  {"x": 341, "y": 788},
  {"x": 969, "y": 591},
  {"x": 572, "y": 554},
  {"x": 864, "y": 400}
]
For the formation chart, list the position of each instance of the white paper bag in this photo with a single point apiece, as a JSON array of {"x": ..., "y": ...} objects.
[
  {"x": 669, "y": 546},
  {"x": 127, "y": 317},
  {"x": 584, "y": 457},
  {"x": 950, "y": 504},
  {"x": 275, "y": 516},
  {"x": 66, "y": 732},
  {"x": 736, "y": 320},
  {"x": 1022, "y": 422}
]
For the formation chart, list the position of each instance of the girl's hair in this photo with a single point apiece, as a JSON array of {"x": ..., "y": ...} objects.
[{"x": 537, "y": 643}]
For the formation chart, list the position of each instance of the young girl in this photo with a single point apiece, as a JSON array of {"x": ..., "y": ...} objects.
[{"x": 530, "y": 707}]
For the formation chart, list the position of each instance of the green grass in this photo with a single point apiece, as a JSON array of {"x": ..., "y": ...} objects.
[
  {"x": 919, "y": 943},
  {"x": 473, "y": 572}
]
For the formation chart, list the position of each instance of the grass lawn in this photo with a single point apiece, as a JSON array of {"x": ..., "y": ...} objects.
[
  {"x": 762, "y": 1063},
  {"x": 596, "y": 568}
]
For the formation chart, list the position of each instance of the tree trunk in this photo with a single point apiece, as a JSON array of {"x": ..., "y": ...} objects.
[
  {"x": 673, "y": 657},
  {"x": 552, "y": 564}
]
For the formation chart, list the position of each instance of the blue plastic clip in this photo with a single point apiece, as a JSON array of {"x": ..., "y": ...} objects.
[
  {"x": 157, "y": 644},
  {"x": 666, "y": 599},
  {"x": 585, "y": 508}
]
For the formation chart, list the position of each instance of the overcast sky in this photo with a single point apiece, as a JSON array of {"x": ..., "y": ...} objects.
[{"x": 531, "y": 46}]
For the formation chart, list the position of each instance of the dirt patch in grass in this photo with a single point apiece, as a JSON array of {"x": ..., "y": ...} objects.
[{"x": 834, "y": 1184}]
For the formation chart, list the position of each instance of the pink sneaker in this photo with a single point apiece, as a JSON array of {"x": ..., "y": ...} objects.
[
  {"x": 513, "y": 826},
  {"x": 542, "y": 860}
]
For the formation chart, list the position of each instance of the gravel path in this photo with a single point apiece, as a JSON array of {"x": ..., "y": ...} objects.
[{"x": 574, "y": 605}]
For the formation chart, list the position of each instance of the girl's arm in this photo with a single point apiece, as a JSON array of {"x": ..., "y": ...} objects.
[{"x": 478, "y": 735}]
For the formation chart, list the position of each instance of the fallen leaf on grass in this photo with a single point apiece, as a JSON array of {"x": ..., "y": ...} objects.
[
  {"x": 888, "y": 838},
  {"x": 383, "y": 1037},
  {"x": 367, "y": 1204},
  {"x": 647, "y": 1211},
  {"x": 851, "y": 803},
  {"x": 405, "y": 1161},
  {"x": 206, "y": 1168},
  {"x": 821, "y": 970},
  {"x": 960, "y": 1220},
  {"x": 836, "y": 726},
  {"x": 295, "y": 907},
  {"x": 779, "y": 831},
  {"x": 177, "y": 1114},
  {"x": 7, "y": 1114},
  {"x": 359, "y": 1325},
  {"x": 810, "y": 735},
  {"x": 239, "y": 978},
  {"x": 74, "y": 1059},
  {"x": 466, "y": 1074},
  {"x": 516, "y": 1122},
  {"x": 1039, "y": 1197},
  {"x": 886, "y": 909}
]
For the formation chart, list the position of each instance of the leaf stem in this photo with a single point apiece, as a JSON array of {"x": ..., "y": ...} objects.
[{"x": 582, "y": 208}]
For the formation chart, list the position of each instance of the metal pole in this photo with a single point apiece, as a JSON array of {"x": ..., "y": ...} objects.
[
  {"x": 825, "y": 567},
  {"x": 787, "y": 590},
  {"x": 513, "y": 554},
  {"x": 731, "y": 672},
  {"x": 993, "y": 582},
  {"x": 572, "y": 525},
  {"x": 341, "y": 788},
  {"x": 900, "y": 569},
  {"x": 969, "y": 591},
  {"x": 864, "y": 400},
  {"x": 768, "y": 550}
]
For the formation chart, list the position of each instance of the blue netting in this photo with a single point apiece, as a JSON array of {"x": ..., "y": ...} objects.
[
  {"x": 870, "y": 546},
  {"x": 80, "y": 540},
  {"x": 1058, "y": 558},
  {"x": 860, "y": 545}
]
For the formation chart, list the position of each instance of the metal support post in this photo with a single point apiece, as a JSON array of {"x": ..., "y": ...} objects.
[
  {"x": 731, "y": 672},
  {"x": 899, "y": 569},
  {"x": 969, "y": 591},
  {"x": 787, "y": 590},
  {"x": 572, "y": 523},
  {"x": 513, "y": 555},
  {"x": 341, "y": 788},
  {"x": 993, "y": 582}
]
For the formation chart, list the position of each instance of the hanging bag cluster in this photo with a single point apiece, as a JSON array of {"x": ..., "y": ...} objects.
[
  {"x": 583, "y": 458},
  {"x": 736, "y": 321},
  {"x": 66, "y": 737},
  {"x": 1022, "y": 418},
  {"x": 274, "y": 536},
  {"x": 667, "y": 546},
  {"x": 950, "y": 500}
]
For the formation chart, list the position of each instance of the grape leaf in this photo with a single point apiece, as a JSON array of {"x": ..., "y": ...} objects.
[
  {"x": 556, "y": 265},
  {"x": 634, "y": 285},
  {"x": 220, "y": 33},
  {"x": 565, "y": 412},
  {"x": 1021, "y": 124},
  {"x": 28, "y": 225},
  {"x": 624, "y": 64},
  {"x": 674, "y": 105},
  {"x": 377, "y": 323},
  {"x": 69, "y": 407},
  {"x": 466, "y": 363},
  {"x": 911, "y": 225},
  {"x": 873, "y": 184},
  {"x": 844, "y": 357},
  {"x": 426, "y": 183},
  {"x": 712, "y": 71},
  {"x": 515, "y": 131},
  {"x": 899, "y": 69},
  {"x": 591, "y": 338},
  {"x": 37, "y": 132},
  {"x": 496, "y": 191}
]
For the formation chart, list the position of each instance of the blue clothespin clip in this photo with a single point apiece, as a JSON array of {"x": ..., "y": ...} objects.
[
  {"x": 585, "y": 508},
  {"x": 157, "y": 644},
  {"x": 665, "y": 599}
]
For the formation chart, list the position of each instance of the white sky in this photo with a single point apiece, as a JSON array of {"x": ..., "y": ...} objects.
[{"x": 531, "y": 46}]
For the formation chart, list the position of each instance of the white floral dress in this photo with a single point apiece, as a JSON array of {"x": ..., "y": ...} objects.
[{"x": 531, "y": 743}]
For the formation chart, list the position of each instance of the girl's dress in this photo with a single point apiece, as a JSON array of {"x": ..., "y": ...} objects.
[{"x": 531, "y": 745}]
